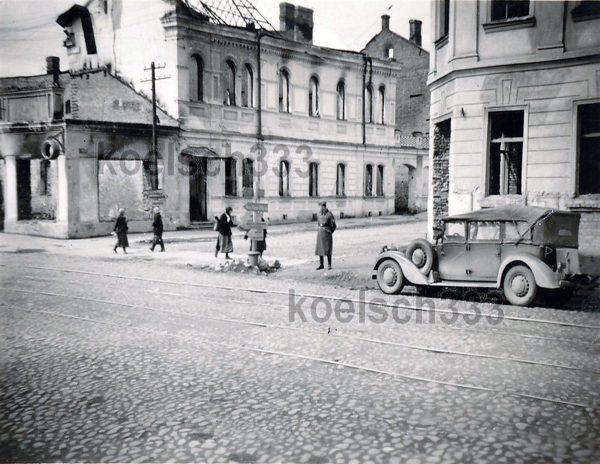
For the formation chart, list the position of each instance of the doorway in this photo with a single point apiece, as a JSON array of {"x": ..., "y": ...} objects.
[
  {"x": 24, "y": 189},
  {"x": 197, "y": 174}
]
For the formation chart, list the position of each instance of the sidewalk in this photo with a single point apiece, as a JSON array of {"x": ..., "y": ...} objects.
[{"x": 208, "y": 235}]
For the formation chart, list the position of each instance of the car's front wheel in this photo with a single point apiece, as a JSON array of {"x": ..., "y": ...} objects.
[
  {"x": 389, "y": 277},
  {"x": 519, "y": 286}
]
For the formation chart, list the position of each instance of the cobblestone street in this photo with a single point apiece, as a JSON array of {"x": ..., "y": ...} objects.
[{"x": 147, "y": 358}]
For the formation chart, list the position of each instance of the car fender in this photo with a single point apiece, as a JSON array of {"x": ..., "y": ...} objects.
[
  {"x": 544, "y": 276},
  {"x": 410, "y": 271}
]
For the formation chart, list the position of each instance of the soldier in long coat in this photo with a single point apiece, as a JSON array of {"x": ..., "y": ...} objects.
[
  {"x": 157, "y": 228},
  {"x": 121, "y": 230},
  {"x": 327, "y": 226},
  {"x": 224, "y": 225}
]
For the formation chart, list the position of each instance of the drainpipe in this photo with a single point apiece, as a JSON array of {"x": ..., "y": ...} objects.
[{"x": 364, "y": 83}]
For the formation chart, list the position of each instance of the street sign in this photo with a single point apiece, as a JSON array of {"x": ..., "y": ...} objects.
[
  {"x": 255, "y": 234},
  {"x": 254, "y": 225},
  {"x": 259, "y": 207}
]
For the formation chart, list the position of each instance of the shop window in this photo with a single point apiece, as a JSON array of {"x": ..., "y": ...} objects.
[
  {"x": 588, "y": 118},
  {"x": 505, "y": 167},
  {"x": 586, "y": 9},
  {"x": 230, "y": 177},
  {"x": 313, "y": 180},
  {"x": 340, "y": 181}
]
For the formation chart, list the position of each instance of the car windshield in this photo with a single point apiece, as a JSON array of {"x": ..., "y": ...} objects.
[
  {"x": 484, "y": 230},
  {"x": 454, "y": 231}
]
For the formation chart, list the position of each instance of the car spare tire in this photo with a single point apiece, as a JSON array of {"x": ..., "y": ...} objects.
[{"x": 421, "y": 254}]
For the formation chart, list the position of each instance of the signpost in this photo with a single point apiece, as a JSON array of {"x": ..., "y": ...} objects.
[
  {"x": 255, "y": 234},
  {"x": 257, "y": 207}
]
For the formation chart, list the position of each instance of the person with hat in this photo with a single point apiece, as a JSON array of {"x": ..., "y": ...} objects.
[
  {"x": 120, "y": 230},
  {"x": 157, "y": 228},
  {"x": 327, "y": 226}
]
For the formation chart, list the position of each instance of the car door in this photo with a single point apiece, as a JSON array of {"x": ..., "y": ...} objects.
[
  {"x": 483, "y": 250},
  {"x": 452, "y": 259}
]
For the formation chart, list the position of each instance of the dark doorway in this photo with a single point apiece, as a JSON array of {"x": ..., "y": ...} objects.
[
  {"x": 198, "y": 189},
  {"x": 24, "y": 189}
]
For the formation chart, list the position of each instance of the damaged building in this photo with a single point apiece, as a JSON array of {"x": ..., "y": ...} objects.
[
  {"x": 515, "y": 108},
  {"x": 243, "y": 108}
]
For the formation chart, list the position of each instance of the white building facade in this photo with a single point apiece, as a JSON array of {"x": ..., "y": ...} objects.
[{"x": 515, "y": 108}]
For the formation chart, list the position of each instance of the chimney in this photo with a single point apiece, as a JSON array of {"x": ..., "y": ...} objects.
[
  {"x": 287, "y": 14},
  {"x": 296, "y": 22},
  {"x": 385, "y": 22},
  {"x": 415, "y": 31},
  {"x": 53, "y": 67}
]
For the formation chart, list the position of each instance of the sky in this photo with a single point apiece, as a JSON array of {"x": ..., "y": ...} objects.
[{"x": 29, "y": 33}]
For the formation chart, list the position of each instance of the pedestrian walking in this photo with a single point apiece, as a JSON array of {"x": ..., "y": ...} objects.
[
  {"x": 261, "y": 245},
  {"x": 327, "y": 226},
  {"x": 157, "y": 229},
  {"x": 223, "y": 226},
  {"x": 121, "y": 230}
]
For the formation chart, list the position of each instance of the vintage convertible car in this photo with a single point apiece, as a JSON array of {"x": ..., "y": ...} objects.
[{"x": 518, "y": 249}]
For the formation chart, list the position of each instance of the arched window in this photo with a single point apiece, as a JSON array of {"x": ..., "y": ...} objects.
[
  {"x": 369, "y": 104},
  {"x": 380, "y": 180},
  {"x": 197, "y": 79},
  {"x": 368, "y": 180},
  {"x": 313, "y": 180},
  {"x": 340, "y": 180},
  {"x": 229, "y": 84},
  {"x": 247, "y": 177},
  {"x": 381, "y": 105},
  {"x": 284, "y": 178},
  {"x": 284, "y": 91},
  {"x": 248, "y": 87},
  {"x": 231, "y": 177},
  {"x": 313, "y": 97},
  {"x": 341, "y": 100}
]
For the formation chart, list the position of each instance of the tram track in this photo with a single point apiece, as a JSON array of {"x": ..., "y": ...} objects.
[
  {"x": 229, "y": 346},
  {"x": 306, "y": 330}
]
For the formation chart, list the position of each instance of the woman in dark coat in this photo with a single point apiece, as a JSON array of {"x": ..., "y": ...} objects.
[
  {"x": 157, "y": 228},
  {"x": 224, "y": 225},
  {"x": 121, "y": 231},
  {"x": 327, "y": 226}
]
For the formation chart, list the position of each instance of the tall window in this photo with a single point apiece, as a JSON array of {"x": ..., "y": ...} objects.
[
  {"x": 247, "y": 177},
  {"x": 284, "y": 178},
  {"x": 340, "y": 180},
  {"x": 44, "y": 177},
  {"x": 368, "y": 180},
  {"x": 381, "y": 105},
  {"x": 229, "y": 84},
  {"x": 313, "y": 180},
  {"x": 284, "y": 91},
  {"x": 369, "y": 104},
  {"x": 231, "y": 177},
  {"x": 508, "y": 9},
  {"x": 313, "y": 97},
  {"x": 248, "y": 87},
  {"x": 588, "y": 117},
  {"x": 505, "y": 169},
  {"x": 197, "y": 79},
  {"x": 380, "y": 180},
  {"x": 389, "y": 52},
  {"x": 341, "y": 100},
  {"x": 444, "y": 19}
]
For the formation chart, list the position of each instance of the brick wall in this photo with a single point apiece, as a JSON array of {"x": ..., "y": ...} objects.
[
  {"x": 441, "y": 158},
  {"x": 589, "y": 231}
]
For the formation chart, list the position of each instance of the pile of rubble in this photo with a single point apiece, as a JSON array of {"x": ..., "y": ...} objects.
[{"x": 243, "y": 266}]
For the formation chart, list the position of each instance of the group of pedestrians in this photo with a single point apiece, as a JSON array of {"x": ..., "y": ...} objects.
[{"x": 224, "y": 224}]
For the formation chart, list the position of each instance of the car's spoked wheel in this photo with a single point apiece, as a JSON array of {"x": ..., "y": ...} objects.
[
  {"x": 389, "y": 277},
  {"x": 519, "y": 286}
]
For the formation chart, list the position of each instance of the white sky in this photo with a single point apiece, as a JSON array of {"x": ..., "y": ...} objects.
[{"x": 29, "y": 33}]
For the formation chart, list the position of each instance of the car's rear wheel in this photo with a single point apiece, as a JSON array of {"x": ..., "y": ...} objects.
[
  {"x": 519, "y": 286},
  {"x": 390, "y": 277},
  {"x": 420, "y": 252}
]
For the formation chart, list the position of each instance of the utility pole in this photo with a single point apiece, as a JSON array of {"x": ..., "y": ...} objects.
[{"x": 154, "y": 153}]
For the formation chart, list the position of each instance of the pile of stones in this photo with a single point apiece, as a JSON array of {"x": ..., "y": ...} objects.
[{"x": 242, "y": 265}]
